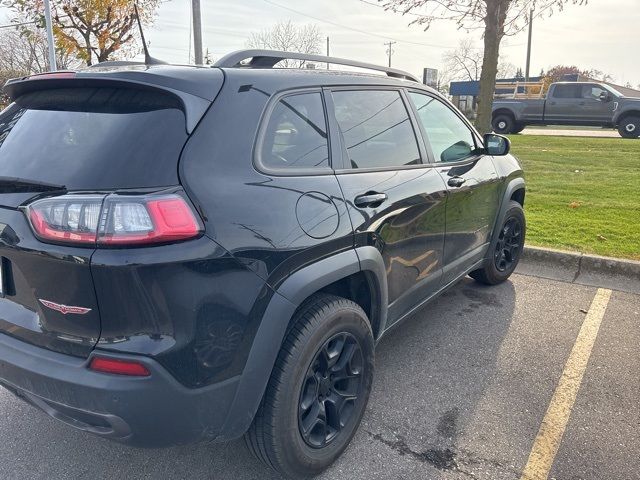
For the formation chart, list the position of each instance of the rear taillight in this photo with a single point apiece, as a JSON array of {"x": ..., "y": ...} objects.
[
  {"x": 114, "y": 219},
  {"x": 118, "y": 367},
  {"x": 70, "y": 218}
]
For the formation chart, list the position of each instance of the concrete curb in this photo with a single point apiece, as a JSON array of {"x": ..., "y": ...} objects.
[{"x": 593, "y": 270}]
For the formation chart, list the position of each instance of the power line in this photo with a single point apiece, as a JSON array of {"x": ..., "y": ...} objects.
[
  {"x": 30, "y": 22},
  {"x": 364, "y": 32},
  {"x": 18, "y": 24},
  {"x": 366, "y": 2},
  {"x": 382, "y": 6}
]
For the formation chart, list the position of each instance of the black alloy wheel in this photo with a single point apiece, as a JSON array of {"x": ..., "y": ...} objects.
[
  {"x": 332, "y": 385},
  {"x": 509, "y": 245},
  {"x": 318, "y": 390}
]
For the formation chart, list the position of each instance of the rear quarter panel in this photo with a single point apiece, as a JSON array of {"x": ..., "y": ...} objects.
[{"x": 531, "y": 110}]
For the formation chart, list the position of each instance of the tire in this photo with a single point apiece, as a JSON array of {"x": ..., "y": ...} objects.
[
  {"x": 629, "y": 127},
  {"x": 503, "y": 124},
  {"x": 519, "y": 128},
  {"x": 300, "y": 384},
  {"x": 507, "y": 251}
]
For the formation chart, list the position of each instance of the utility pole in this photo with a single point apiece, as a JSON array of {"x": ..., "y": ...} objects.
[
  {"x": 526, "y": 73},
  {"x": 328, "y": 52},
  {"x": 390, "y": 51},
  {"x": 52, "y": 48},
  {"x": 197, "y": 31}
]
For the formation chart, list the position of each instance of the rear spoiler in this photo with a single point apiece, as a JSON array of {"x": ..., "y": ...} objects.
[{"x": 194, "y": 92}]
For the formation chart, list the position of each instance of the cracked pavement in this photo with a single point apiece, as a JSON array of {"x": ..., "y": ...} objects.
[{"x": 460, "y": 391}]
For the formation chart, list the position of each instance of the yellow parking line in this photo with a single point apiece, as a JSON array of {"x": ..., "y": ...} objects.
[{"x": 555, "y": 420}]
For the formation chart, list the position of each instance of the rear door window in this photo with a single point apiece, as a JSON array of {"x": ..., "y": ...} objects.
[
  {"x": 296, "y": 134},
  {"x": 567, "y": 91},
  {"x": 93, "y": 138},
  {"x": 376, "y": 128}
]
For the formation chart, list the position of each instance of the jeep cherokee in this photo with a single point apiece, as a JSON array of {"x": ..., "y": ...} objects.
[{"x": 202, "y": 253}]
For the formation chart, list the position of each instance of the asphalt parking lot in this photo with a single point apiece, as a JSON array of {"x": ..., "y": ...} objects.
[{"x": 461, "y": 392}]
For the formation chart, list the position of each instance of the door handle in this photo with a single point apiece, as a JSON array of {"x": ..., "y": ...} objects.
[
  {"x": 370, "y": 199},
  {"x": 456, "y": 181}
]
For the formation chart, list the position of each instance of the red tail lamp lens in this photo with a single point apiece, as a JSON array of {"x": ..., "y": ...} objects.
[
  {"x": 117, "y": 220},
  {"x": 119, "y": 367}
]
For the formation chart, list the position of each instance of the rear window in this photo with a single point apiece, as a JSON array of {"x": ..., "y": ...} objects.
[
  {"x": 93, "y": 138},
  {"x": 296, "y": 135}
]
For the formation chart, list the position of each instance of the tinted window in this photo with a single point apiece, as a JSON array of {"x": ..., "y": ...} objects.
[
  {"x": 376, "y": 128},
  {"x": 296, "y": 135},
  {"x": 593, "y": 92},
  {"x": 450, "y": 138},
  {"x": 93, "y": 138},
  {"x": 567, "y": 91}
]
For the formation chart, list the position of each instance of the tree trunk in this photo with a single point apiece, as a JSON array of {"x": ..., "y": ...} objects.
[
  {"x": 87, "y": 41},
  {"x": 493, "y": 33}
]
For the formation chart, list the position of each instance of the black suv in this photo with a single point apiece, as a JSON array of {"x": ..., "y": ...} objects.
[{"x": 201, "y": 253}]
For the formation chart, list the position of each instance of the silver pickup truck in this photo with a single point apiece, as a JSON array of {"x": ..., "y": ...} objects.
[{"x": 570, "y": 103}]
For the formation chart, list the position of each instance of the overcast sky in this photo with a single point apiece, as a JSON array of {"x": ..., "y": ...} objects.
[{"x": 603, "y": 35}]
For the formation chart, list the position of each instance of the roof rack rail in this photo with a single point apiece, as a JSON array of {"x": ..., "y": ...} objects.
[{"x": 269, "y": 58}]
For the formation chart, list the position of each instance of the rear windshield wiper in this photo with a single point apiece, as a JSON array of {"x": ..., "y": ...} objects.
[{"x": 19, "y": 185}]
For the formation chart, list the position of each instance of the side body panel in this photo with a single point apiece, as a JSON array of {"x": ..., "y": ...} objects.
[
  {"x": 471, "y": 213},
  {"x": 524, "y": 111},
  {"x": 407, "y": 229}
]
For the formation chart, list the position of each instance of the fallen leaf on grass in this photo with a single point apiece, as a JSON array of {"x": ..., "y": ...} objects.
[
  {"x": 602, "y": 238},
  {"x": 575, "y": 204}
]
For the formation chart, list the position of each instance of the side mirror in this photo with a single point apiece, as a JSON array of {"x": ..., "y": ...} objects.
[
  {"x": 496, "y": 145},
  {"x": 605, "y": 96}
]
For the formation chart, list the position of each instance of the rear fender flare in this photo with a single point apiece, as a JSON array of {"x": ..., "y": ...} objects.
[{"x": 273, "y": 327}]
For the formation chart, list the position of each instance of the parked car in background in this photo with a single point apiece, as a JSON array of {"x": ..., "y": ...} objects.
[
  {"x": 570, "y": 103},
  {"x": 203, "y": 253}
]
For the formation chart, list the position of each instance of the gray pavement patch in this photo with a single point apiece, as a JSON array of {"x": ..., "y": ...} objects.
[{"x": 572, "y": 267}]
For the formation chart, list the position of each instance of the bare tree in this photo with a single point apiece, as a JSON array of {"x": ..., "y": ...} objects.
[
  {"x": 288, "y": 37},
  {"x": 24, "y": 51},
  {"x": 465, "y": 64},
  {"x": 497, "y": 18}
]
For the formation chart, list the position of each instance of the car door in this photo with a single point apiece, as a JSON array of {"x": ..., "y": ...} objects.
[
  {"x": 472, "y": 183},
  {"x": 396, "y": 199},
  {"x": 595, "y": 109},
  {"x": 563, "y": 104}
]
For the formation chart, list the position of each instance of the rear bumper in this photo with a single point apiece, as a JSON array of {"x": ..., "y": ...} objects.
[{"x": 154, "y": 411}]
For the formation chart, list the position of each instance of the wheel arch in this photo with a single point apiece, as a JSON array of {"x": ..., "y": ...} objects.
[
  {"x": 625, "y": 114},
  {"x": 345, "y": 274},
  {"x": 503, "y": 111},
  {"x": 515, "y": 190}
]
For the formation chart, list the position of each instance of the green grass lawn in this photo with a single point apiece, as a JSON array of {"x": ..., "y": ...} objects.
[{"x": 582, "y": 193}]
